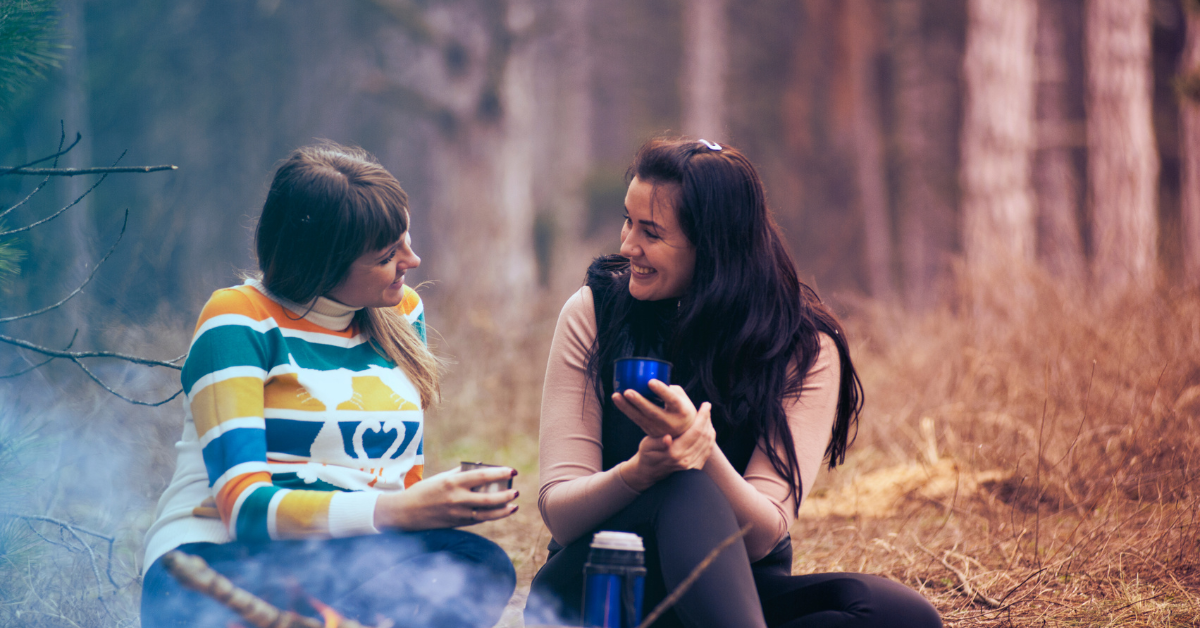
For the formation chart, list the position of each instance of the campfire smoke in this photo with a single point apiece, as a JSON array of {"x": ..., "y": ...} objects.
[{"x": 195, "y": 574}]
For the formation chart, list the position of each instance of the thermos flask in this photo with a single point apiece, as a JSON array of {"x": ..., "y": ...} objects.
[{"x": 614, "y": 579}]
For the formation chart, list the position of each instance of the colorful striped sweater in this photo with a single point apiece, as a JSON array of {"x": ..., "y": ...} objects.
[{"x": 291, "y": 430}]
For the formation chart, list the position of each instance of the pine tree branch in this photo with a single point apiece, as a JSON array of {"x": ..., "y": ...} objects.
[
  {"x": 135, "y": 402},
  {"x": 4, "y": 171},
  {"x": 39, "y": 365},
  {"x": 61, "y": 138},
  {"x": 73, "y": 172},
  {"x": 59, "y": 212},
  {"x": 95, "y": 269},
  {"x": 75, "y": 355}
]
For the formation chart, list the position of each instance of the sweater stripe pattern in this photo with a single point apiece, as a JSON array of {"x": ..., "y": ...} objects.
[{"x": 294, "y": 429}]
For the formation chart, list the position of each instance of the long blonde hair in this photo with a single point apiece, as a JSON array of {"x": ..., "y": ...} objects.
[{"x": 329, "y": 204}]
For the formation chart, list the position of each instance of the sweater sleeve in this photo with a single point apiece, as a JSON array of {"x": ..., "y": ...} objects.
[
  {"x": 223, "y": 379},
  {"x": 575, "y": 495}
]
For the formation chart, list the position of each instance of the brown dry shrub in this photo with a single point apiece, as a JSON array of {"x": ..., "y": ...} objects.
[{"x": 1071, "y": 423}]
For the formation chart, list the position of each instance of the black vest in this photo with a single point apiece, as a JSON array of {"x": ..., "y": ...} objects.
[{"x": 648, "y": 328}]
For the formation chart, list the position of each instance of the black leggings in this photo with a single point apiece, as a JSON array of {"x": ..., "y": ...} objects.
[
  {"x": 431, "y": 578},
  {"x": 680, "y": 520}
]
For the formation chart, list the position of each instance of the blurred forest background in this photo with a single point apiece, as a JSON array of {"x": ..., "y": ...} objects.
[{"x": 1002, "y": 197}]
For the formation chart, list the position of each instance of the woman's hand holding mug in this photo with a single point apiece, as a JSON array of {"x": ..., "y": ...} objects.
[
  {"x": 674, "y": 417},
  {"x": 447, "y": 501}
]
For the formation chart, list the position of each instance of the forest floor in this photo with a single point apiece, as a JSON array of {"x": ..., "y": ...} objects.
[{"x": 1023, "y": 460}]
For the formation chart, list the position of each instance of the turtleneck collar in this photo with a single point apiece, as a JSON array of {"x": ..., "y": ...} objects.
[{"x": 321, "y": 311}]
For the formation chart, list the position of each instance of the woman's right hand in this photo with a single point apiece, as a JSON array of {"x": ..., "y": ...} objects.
[
  {"x": 658, "y": 457},
  {"x": 446, "y": 501}
]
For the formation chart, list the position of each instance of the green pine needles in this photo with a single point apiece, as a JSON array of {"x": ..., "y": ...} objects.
[{"x": 29, "y": 44}]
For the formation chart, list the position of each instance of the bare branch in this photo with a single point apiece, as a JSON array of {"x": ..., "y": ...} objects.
[
  {"x": 964, "y": 582},
  {"x": 55, "y": 156},
  {"x": 43, "y": 362},
  {"x": 691, "y": 578},
  {"x": 74, "y": 355},
  {"x": 74, "y": 172},
  {"x": 75, "y": 531},
  {"x": 61, "y": 138},
  {"x": 123, "y": 397},
  {"x": 124, "y": 224},
  {"x": 59, "y": 212}
]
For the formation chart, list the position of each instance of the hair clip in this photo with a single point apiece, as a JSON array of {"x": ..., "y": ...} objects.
[{"x": 710, "y": 145}]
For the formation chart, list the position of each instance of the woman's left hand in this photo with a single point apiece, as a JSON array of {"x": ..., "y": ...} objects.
[
  {"x": 658, "y": 457},
  {"x": 674, "y": 418}
]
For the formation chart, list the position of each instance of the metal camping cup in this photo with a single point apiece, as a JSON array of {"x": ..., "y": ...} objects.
[
  {"x": 614, "y": 580},
  {"x": 490, "y": 487},
  {"x": 636, "y": 373}
]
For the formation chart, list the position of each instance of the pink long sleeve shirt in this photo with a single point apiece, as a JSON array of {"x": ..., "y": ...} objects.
[{"x": 576, "y": 495}]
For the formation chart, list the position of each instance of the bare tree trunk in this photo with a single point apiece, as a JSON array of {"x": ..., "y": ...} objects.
[
  {"x": 480, "y": 101},
  {"x": 706, "y": 58},
  {"x": 1189, "y": 142},
  {"x": 78, "y": 255},
  {"x": 572, "y": 140},
  {"x": 926, "y": 101},
  {"x": 997, "y": 137},
  {"x": 1056, "y": 176},
  {"x": 1122, "y": 159},
  {"x": 859, "y": 34}
]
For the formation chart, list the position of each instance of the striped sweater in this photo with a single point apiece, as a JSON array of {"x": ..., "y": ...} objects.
[{"x": 291, "y": 429}]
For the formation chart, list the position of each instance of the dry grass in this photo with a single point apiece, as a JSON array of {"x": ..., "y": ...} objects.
[
  {"x": 1027, "y": 460},
  {"x": 1024, "y": 460}
]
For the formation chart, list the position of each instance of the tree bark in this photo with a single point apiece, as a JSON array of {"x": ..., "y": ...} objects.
[
  {"x": 1189, "y": 143},
  {"x": 1056, "y": 174},
  {"x": 926, "y": 108},
  {"x": 859, "y": 33},
  {"x": 1122, "y": 158},
  {"x": 705, "y": 60},
  {"x": 997, "y": 136}
]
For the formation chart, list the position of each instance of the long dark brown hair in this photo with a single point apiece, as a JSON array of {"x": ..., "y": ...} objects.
[
  {"x": 329, "y": 204},
  {"x": 745, "y": 318}
]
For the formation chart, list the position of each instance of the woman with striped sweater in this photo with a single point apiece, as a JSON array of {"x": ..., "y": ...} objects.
[{"x": 300, "y": 470}]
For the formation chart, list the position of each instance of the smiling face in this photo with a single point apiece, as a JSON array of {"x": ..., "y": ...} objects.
[
  {"x": 376, "y": 278},
  {"x": 661, "y": 258}
]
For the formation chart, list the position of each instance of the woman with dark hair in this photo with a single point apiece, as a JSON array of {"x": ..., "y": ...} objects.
[
  {"x": 764, "y": 391},
  {"x": 300, "y": 468}
]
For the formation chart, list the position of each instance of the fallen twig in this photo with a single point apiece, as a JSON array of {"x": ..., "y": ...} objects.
[
  {"x": 964, "y": 583},
  {"x": 75, "y": 531}
]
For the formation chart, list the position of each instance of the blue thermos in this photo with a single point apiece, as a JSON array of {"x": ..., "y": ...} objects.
[{"x": 614, "y": 579}]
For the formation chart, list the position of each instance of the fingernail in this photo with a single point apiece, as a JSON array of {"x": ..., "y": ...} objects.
[
  {"x": 517, "y": 494},
  {"x": 514, "y": 473},
  {"x": 515, "y": 508}
]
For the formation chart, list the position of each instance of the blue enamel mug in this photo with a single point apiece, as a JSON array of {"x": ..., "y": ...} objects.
[{"x": 636, "y": 373}]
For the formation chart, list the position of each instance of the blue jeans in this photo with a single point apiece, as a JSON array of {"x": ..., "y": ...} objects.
[{"x": 434, "y": 578}]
